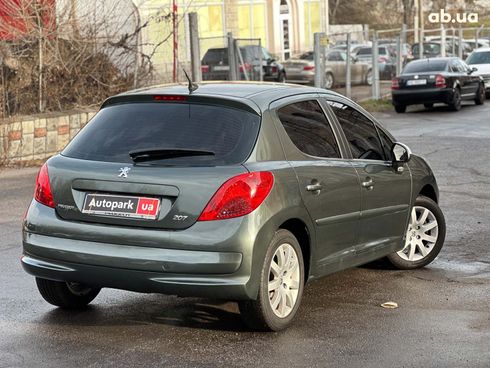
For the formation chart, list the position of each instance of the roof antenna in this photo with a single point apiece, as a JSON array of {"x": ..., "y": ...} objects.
[{"x": 191, "y": 86}]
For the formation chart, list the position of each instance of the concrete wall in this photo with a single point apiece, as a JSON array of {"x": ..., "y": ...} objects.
[{"x": 26, "y": 139}]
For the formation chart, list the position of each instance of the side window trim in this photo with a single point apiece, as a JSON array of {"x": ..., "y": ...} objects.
[
  {"x": 348, "y": 103},
  {"x": 275, "y": 105},
  {"x": 337, "y": 129}
]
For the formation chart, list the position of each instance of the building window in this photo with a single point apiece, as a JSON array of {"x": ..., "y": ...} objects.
[
  {"x": 312, "y": 23},
  {"x": 252, "y": 20},
  {"x": 285, "y": 29}
]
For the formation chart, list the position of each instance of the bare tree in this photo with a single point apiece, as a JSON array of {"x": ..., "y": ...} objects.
[{"x": 73, "y": 54}]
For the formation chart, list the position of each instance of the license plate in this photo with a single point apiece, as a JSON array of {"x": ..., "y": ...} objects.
[
  {"x": 121, "y": 206},
  {"x": 220, "y": 68},
  {"x": 416, "y": 82}
]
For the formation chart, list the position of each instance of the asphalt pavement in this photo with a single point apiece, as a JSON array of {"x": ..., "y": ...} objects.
[{"x": 443, "y": 319}]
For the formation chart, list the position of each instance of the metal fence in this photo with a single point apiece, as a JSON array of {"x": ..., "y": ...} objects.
[{"x": 389, "y": 50}]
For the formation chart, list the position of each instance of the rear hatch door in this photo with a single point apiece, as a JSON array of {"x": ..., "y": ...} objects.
[{"x": 96, "y": 180}]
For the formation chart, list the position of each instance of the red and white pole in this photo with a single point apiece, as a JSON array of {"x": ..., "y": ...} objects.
[{"x": 175, "y": 27}]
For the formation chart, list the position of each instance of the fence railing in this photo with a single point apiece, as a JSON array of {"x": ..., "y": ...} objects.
[{"x": 399, "y": 46}]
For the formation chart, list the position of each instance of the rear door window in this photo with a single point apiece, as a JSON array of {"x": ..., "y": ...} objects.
[
  {"x": 116, "y": 130},
  {"x": 309, "y": 130}
]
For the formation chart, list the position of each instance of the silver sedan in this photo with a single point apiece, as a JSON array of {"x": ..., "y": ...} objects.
[{"x": 302, "y": 69}]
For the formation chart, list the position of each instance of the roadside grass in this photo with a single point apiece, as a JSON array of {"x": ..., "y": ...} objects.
[{"x": 381, "y": 105}]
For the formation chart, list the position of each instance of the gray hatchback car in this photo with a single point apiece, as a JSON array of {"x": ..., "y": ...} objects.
[{"x": 235, "y": 191}]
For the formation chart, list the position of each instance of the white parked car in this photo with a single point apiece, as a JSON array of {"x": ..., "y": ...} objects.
[{"x": 480, "y": 59}]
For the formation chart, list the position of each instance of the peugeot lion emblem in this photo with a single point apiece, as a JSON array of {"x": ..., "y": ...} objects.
[{"x": 124, "y": 171}]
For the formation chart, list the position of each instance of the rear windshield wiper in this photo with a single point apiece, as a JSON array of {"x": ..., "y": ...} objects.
[{"x": 165, "y": 153}]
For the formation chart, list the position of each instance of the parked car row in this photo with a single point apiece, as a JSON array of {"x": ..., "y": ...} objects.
[
  {"x": 215, "y": 64},
  {"x": 301, "y": 69}
]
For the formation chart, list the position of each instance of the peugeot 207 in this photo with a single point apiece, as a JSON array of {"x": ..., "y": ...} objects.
[{"x": 234, "y": 191}]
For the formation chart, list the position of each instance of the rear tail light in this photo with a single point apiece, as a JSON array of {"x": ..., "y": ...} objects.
[
  {"x": 395, "y": 84},
  {"x": 308, "y": 67},
  {"x": 42, "y": 193},
  {"x": 440, "y": 81},
  {"x": 204, "y": 68},
  {"x": 245, "y": 66},
  {"x": 238, "y": 196},
  {"x": 274, "y": 69}
]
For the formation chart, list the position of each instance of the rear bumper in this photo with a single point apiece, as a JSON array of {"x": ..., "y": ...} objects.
[
  {"x": 233, "y": 287},
  {"x": 421, "y": 96},
  {"x": 210, "y": 259},
  {"x": 306, "y": 77}
]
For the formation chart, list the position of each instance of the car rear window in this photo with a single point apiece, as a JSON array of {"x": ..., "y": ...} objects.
[
  {"x": 215, "y": 56},
  {"x": 364, "y": 51},
  {"x": 307, "y": 56},
  {"x": 426, "y": 66},
  {"x": 116, "y": 130},
  {"x": 428, "y": 48},
  {"x": 368, "y": 51}
]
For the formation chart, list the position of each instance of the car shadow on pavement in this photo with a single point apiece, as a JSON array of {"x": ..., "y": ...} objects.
[
  {"x": 439, "y": 108},
  {"x": 380, "y": 264},
  {"x": 153, "y": 310}
]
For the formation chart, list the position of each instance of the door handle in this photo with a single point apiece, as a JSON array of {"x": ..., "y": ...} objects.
[
  {"x": 368, "y": 183},
  {"x": 314, "y": 187}
]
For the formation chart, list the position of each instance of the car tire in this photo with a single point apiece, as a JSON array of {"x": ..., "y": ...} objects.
[
  {"x": 455, "y": 105},
  {"x": 480, "y": 95},
  {"x": 66, "y": 295},
  {"x": 281, "y": 78},
  {"x": 281, "y": 286},
  {"x": 369, "y": 77},
  {"x": 329, "y": 80},
  {"x": 400, "y": 109},
  {"x": 429, "y": 106},
  {"x": 424, "y": 238}
]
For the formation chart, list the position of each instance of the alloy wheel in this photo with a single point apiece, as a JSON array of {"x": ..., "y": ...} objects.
[
  {"x": 328, "y": 81},
  {"x": 421, "y": 236},
  {"x": 78, "y": 289},
  {"x": 369, "y": 78},
  {"x": 284, "y": 278}
]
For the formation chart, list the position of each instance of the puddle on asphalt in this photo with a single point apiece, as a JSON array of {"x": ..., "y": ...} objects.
[{"x": 463, "y": 267}]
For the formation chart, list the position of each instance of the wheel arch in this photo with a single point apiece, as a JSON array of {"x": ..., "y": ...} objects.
[
  {"x": 300, "y": 230},
  {"x": 429, "y": 191}
]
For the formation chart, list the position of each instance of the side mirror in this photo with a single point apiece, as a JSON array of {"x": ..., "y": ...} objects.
[
  {"x": 354, "y": 59},
  {"x": 400, "y": 154},
  {"x": 474, "y": 69}
]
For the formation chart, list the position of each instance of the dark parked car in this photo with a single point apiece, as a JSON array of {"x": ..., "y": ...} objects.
[
  {"x": 237, "y": 191},
  {"x": 215, "y": 65},
  {"x": 386, "y": 59},
  {"x": 433, "y": 80}
]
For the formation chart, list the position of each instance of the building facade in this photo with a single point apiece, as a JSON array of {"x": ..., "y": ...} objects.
[{"x": 285, "y": 27}]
